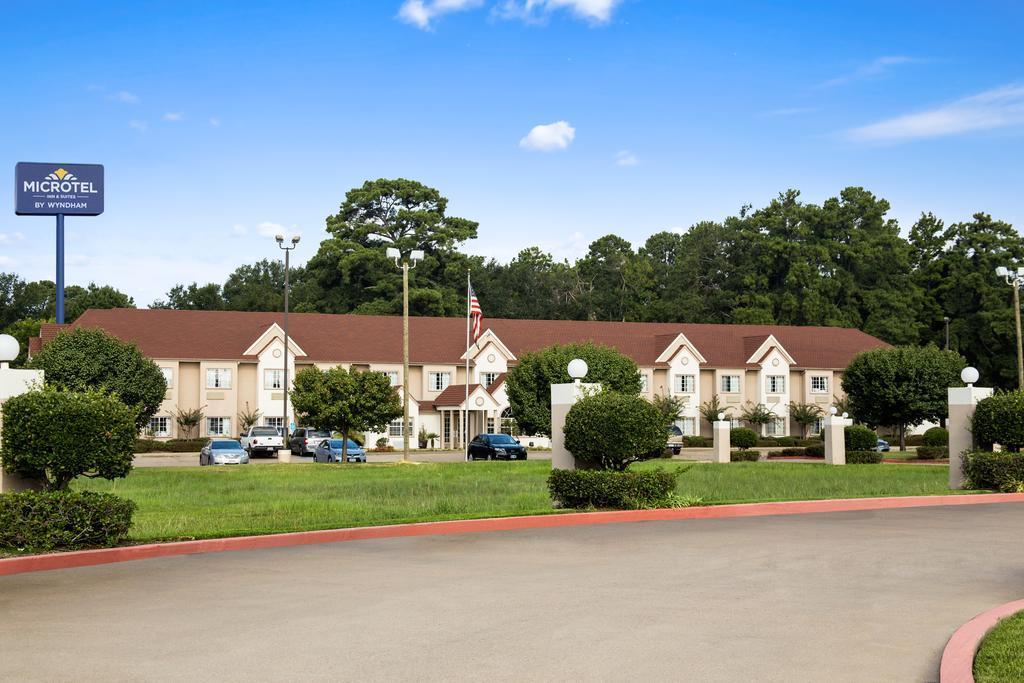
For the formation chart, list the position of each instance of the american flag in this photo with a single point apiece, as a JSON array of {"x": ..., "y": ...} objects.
[{"x": 476, "y": 313}]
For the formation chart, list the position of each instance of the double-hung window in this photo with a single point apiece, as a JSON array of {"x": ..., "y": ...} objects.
[
  {"x": 168, "y": 374},
  {"x": 438, "y": 381},
  {"x": 643, "y": 383},
  {"x": 160, "y": 426},
  {"x": 730, "y": 384},
  {"x": 684, "y": 384},
  {"x": 392, "y": 377},
  {"x": 218, "y": 378},
  {"x": 395, "y": 428},
  {"x": 218, "y": 426},
  {"x": 273, "y": 422},
  {"x": 819, "y": 384},
  {"x": 688, "y": 426},
  {"x": 776, "y": 384},
  {"x": 488, "y": 378},
  {"x": 776, "y": 427},
  {"x": 273, "y": 379}
]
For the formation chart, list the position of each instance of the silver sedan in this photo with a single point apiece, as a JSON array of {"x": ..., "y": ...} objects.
[{"x": 223, "y": 452}]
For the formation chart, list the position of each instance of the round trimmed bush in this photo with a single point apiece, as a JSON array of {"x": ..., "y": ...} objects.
[
  {"x": 54, "y": 436},
  {"x": 859, "y": 438},
  {"x": 999, "y": 419},
  {"x": 42, "y": 521},
  {"x": 610, "y": 430},
  {"x": 743, "y": 438},
  {"x": 936, "y": 437},
  {"x": 863, "y": 457}
]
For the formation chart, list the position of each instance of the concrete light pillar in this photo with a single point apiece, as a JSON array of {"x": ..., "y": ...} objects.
[
  {"x": 835, "y": 439},
  {"x": 12, "y": 383},
  {"x": 564, "y": 397},
  {"x": 962, "y": 401},
  {"x": 720, "y": 430}
]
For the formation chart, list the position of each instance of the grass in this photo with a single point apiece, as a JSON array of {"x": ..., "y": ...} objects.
[
  {"x": 214, "y": 502},
  {"x": 1000, "y": 658}
]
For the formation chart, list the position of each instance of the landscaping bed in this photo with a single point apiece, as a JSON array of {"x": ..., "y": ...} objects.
[
  {"x": 1000, "y": 657},
  {"x": 186, "y": 502}
]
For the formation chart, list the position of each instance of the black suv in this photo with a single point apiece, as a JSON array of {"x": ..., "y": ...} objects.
[
  {"x": 496, "y": 447},
  {"x": 304, "y": 440}
]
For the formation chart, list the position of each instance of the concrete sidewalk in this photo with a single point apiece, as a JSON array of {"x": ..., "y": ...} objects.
[{"x": 855, "y": 596}]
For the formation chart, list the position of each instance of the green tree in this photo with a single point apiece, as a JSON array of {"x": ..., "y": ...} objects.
[
  {"x": 756, "y": 414},
  {"x": 194, "y": 297},
  {"x": 710, "y": 409},
  {"x": 345, "y": 401},
  {"x": 805, "y": 415},
  {"x": 901, "y": 386},
  {"x": 90, "y": 359},
  {"x": 529, "y": 383},
  {"x": 258, "y": 287},
  {"x": 670, "y": 407},
  {"x": 77, "y": 300},
  {"x": 54, "y": 436},
  {"x": 617, "y": 284}
]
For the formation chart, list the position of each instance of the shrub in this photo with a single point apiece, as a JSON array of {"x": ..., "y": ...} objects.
[
  {"x": 936, "y": 437},
  {"x": 859, "y": 438},
  {"x": 986, "y": 470},
  {"x": 744, "y": 456},
  {"x": 41, "y": 521},
  {"x": 54, "y": 436},
  {"x": 932, "y": 452},
  {"x": 697, "y": 442},
  {"x": 741, "y": 437},
  {"x": 815, "y": 450},
  {"x": 170, "y": 446},
  {"x": 787, "y": 441},
  {"x": 383, "y": 442},
  {"x": 767, "y": 443},
  {"x": 618, "y": 490},
  {"x": 1000, "y": 419},
  {"x": 610, "y": 430},
  {"x": 809, "y": 442},
  {"x": 89, "y": 359},
  {"x": 863, "y": 457},
  {"x": 787, "y": 453},
  {"x": 912, "y": 440}
]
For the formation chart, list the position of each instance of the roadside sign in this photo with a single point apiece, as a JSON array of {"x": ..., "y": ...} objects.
[{"x": 42, "y": 189}]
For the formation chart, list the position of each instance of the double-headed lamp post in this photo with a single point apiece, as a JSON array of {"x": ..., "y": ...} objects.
[
  {"x": 287, "y": 253},
  {"x": 1015, "y": 278},
  {"x": 415, "y": 256}
]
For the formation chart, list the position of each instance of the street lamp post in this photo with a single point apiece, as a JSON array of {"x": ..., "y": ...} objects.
[
  {"x": 287, "y": 253},
  {"x": 945, "y": 319},
  {"x": 415, "y": 256},
  {"x": 1015, "y": 278}
]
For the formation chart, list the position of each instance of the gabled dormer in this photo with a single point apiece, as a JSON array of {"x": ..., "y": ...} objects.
[
  {"x": 273, "y": 336},
  {"x": 680, "y": 345},
  {"x": 490, "y": 358},
  {"x": 761, "y": 352}
]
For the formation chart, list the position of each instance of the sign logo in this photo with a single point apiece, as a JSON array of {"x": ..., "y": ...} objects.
[{"x": 51, "y": 189}]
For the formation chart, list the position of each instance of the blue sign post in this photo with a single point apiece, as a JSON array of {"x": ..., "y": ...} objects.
[{"x": 58, "y": 190}]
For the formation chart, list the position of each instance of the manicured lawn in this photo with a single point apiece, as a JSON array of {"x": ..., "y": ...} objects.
[
  {"x": 193, "y": 502},
  {"x": 1000, "y": 658}
]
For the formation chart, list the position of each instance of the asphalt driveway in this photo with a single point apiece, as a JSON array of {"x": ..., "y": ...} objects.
[{"x": 854, "y": 596}]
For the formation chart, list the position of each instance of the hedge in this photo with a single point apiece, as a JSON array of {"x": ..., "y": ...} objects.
[
  {"x": 863, "y": 457},
  {"x": 636, "y": 425},
  {"x": 859, "y": 438},
  {"x": 788, "y": 453},
  {"x": 986, "y": 470},
  {"x": 608, "y": 489},
  {"x": 932, "y": 452},
  {"x": 999, "y": 419},
  {"x": 816, "y": 450},
  {"x": 42, "y": 521},
  {"x": 697, "y": 442},
  {"x": 743, "y": 455},
  {"x": 171, "y": 446},
  {"x": 741, "y": 437},
  {"x": 936, "y": 437}
]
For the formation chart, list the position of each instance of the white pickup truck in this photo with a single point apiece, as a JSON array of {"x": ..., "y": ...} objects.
[{"x": 262, "y": 441}]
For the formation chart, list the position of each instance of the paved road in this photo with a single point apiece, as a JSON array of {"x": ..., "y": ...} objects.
[{"x": 856, "y": 596}]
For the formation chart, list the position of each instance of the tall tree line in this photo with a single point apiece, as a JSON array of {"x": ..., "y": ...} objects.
[{"x": 840, "y": 263}]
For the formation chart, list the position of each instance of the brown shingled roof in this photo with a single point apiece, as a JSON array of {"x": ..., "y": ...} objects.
[{"x": 224, "y": 335}]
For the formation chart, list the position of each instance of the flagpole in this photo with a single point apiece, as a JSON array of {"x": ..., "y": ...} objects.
[{"x": 465, "y": 412}]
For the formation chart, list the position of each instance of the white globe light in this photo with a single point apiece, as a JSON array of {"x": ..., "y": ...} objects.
[
  {"x": 9, "y": 348},
  {"x": 721, "y": 417},
  {"x": 969, "y": 375},
  {"x": 832, "y": 410},
  {"x": 846, "y": 415},
  {"x": 578, "y": 368}
]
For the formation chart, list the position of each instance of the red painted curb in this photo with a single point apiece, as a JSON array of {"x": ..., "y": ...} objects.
[
  {"x": 85, "y": 558},
  {"x": 958, "y": 657}
]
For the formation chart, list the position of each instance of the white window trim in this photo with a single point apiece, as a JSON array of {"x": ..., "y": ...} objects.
[
  {"x": 769, "y": 381},
  {"x": 163, "y": 432},
  {"x": 493, "y": 378},
  {"x": 723, "y": 382},
  {"x": 442, "y": 377},
  {"x": 823, "y": 378},
  {"x": 168, "y": 374},
  {"x": 225, "y": 423},
  {"x": 679, "y": 385},
  {"x": 273, "y": 372}
]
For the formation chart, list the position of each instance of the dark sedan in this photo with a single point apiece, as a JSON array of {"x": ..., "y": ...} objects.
[{"x": 496, "y": 447}]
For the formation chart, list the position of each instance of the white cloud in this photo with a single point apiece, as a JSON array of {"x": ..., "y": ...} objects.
[
  {"x": 549, "y": 137},
  {"x": 268, "y": 229},
  {"x": 238, "y": 230},
  {"x": 626, "y": 158},
  {"x": 125, "y": 97},
  {"x": 594, "y": 11},
  {"x": 173, "y": 116},
  {"x": 421, "y": 13},
  {"x": 997, "y": 108},
  {"x": 872, "y": 69},
  {"x": 140, "y": 126},
  {"x": 214, "y": 121}
]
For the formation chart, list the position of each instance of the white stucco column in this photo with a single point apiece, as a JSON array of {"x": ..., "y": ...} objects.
[
  {"x": 720, "y": 430},
  {"x": 834, "y": 436},
  {"x": 962, "y": 401},
  {"x": 564, "y": 397},
  {"x": 12, "y": 383}
]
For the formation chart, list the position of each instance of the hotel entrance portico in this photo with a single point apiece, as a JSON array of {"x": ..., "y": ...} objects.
[{"x": 482, "y": 414}]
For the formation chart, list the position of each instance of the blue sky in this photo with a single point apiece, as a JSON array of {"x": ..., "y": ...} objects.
[{"x": 551, "y": 122}]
